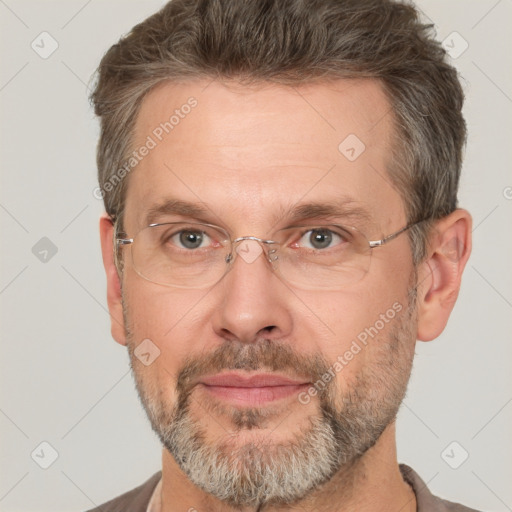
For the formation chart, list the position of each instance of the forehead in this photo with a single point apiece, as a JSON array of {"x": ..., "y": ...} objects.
[{"x": 248, "y": 152}]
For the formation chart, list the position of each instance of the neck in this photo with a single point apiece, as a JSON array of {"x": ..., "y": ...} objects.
[{"x": 372, "y": 484}]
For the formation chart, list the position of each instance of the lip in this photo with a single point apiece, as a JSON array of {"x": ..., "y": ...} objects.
[{"x": 252, "y": 390}]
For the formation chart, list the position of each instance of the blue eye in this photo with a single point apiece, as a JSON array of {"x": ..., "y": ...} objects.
[
  {"x": 190, "y": 239},
  {"x": 320, "y": 238}
]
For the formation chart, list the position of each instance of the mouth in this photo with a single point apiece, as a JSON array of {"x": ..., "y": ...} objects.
[{"x": 252, "y": 390}]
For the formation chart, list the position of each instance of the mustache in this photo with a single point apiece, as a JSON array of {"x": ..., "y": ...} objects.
[{"x": 264, "y": 354}]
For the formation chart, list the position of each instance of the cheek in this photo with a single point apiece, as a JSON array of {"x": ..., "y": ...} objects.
[
  {"x": 170, "y": 320},
  {"x": 160, "y": 312},
  {"x": 359, "y": 322}
]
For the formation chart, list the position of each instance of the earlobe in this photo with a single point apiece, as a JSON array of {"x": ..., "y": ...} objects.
[
  {"x": 114, "y": 295},
  {"x": 440, "y": 275}
]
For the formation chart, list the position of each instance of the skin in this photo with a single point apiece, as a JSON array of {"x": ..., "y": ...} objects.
[{"x": 247, "y": 153}]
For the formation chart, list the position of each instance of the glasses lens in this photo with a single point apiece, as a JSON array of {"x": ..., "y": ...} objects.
[
  {"x": 194, "y": 255},
  {"x": 322, "y": 257},
  {"x": 187, "y": 255}
]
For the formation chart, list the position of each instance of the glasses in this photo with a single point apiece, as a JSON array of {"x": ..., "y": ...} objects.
[{"x": 197, "y": 255}]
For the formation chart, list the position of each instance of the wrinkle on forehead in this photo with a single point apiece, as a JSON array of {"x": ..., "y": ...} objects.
[{"x": 265, "y": 147}]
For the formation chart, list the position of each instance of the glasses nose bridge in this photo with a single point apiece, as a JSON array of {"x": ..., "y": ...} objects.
[
  {"x": 255, "y": 238},
  {"x": 271, "y": 253}
]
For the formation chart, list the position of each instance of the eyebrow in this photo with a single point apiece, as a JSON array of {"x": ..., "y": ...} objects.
[
  {"x": 343, "y": 208},
  {"x": 175, "y": 207}
]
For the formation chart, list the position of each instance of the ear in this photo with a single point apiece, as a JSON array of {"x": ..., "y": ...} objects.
[
  {"x": 439, "y": 276},
  {"x": 114, "y": 297}
]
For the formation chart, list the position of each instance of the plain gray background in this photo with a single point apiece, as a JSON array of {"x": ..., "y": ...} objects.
[{"x": 65, "y": 382}]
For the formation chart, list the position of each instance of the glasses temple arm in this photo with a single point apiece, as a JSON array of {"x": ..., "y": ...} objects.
[{"x": 385, "y": 240}]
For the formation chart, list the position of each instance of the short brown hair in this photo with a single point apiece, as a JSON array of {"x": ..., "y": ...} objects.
[{"x": 292, "y": 42}]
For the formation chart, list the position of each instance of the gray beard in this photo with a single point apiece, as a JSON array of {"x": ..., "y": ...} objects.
[{"x": 262, "y": 473}]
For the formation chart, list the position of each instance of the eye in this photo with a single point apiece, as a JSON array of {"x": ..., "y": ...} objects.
[
  {"x": 321, "y": 238},
  {"x": 190, "y": 239}
]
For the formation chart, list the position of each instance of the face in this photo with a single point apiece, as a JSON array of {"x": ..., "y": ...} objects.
[{"x": 329, "y": 366}]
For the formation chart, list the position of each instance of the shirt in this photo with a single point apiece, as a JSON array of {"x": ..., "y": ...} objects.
[{"x": 146, "y": 498}]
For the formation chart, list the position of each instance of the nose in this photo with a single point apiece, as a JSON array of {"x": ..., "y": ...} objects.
[{"x": 253, "y": 303}]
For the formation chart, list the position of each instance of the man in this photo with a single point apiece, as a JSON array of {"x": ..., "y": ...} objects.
[{"x": 280, "y": 182}]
